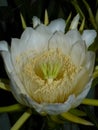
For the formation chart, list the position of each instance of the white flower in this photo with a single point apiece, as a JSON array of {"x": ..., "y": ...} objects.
[{"x": 49, "y": 70}]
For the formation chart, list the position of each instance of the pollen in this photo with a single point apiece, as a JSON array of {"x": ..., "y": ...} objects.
[{"x": 47, "y": 77}]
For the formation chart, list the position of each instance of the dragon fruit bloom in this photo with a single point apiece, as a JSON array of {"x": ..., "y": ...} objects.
[{"x": 49, "y": 70}]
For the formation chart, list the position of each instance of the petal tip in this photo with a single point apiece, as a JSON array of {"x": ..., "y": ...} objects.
[
  {"x": 89, "y": 36},
  {"x": 3, "y": 46},
  {"x": 36, "y": 21}
]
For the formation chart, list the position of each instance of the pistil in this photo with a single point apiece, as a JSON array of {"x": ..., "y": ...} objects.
[{"x": 50, "y": 71}]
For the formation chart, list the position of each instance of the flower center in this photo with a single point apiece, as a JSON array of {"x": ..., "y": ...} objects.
[
  {"x": 53, "y": 65},
  {"x": 48, "y": 76}
]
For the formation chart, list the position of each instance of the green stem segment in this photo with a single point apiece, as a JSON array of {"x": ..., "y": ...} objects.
[
  {"x": 92, "y": 18},
  {"x": 12, "y": 108},
  {"x": 22, "y": 120},
  {"x": 92, "y": 102},
  {"x": 78, "y": 9}
]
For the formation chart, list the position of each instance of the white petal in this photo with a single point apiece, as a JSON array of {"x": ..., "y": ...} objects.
[
  {"x": 57, "y": 25},
  {"x": 80, "y": 81},
  {"x": 83, "y": 77},
  {"x": 73, "y": 36},
  {"x": 36, "y": 21},
  {"x": 75, "y": 22},
  {"x": 6, "y": 56},
  {"x": 19, "y": 46},
  {"x": 64, "y": 42},
  {"x": 7, "y": 61},
  {"x": 82, "y": 95},
  {"x": 58, "y": 108},
  {"x": 17, "y": 87},
  {"x": 3, "y": 46},
  {"x": 44, "y": 29},
  {"x": 58, "y": 41},
  {"x": 52, "y": 109},
  {"x": 89, "y": 36},
  {"x": 78, "y": 53},
  {"x": 16, "y": 47},
  {"x": 31, "y": 42},
  {"x": 90, "y": 61},
  {"x": 34, "y": 40}
]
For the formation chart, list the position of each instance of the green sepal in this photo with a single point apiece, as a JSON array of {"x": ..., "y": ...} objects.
[
  {"x": 91, "y": 102},
  {"x": 22, "y": 119},
  {"x": 12, "y": 108},
  {"x": 56, "y": 119},
  {"x": 75, "y": 119},
  {"x": 23, "y": 21},
  {"x": 4, "y": 84},
  {"x": 77, "y": 112}
]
